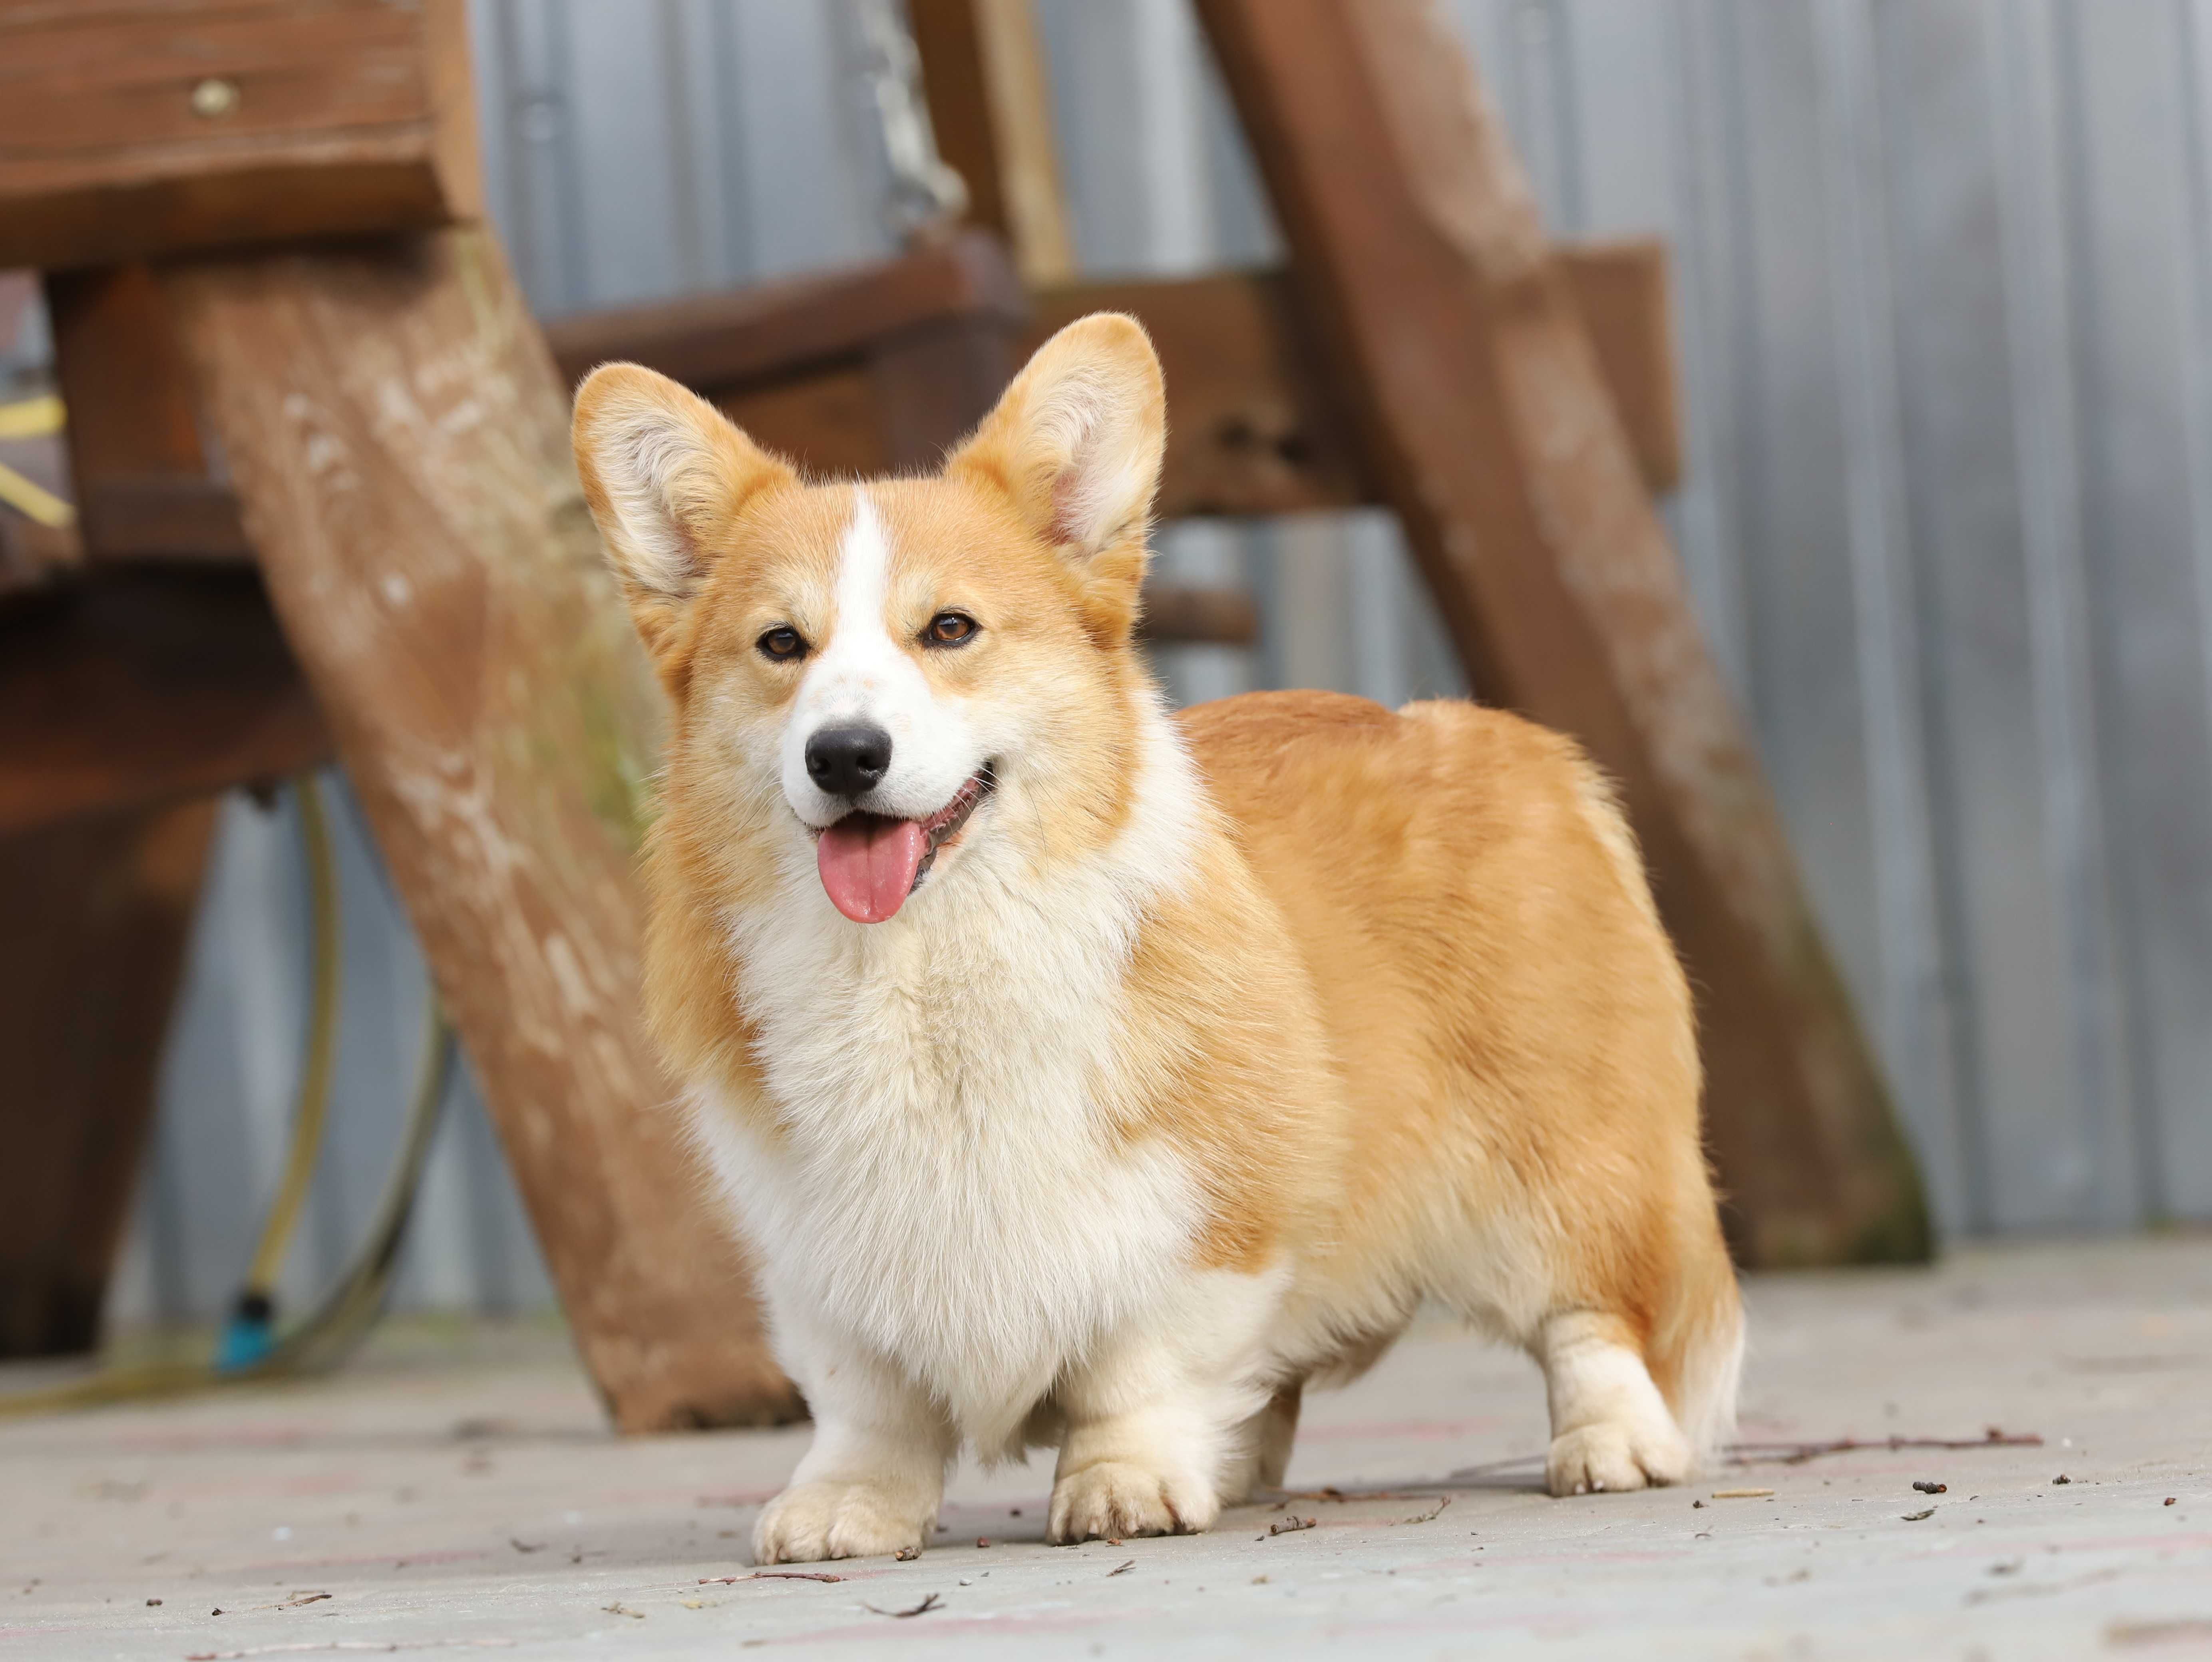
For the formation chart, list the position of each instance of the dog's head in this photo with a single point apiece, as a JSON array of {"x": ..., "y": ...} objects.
[{"x": 869, "y": 680}]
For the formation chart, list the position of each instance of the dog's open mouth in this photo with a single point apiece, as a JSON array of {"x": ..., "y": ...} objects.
[{"x": 870, "y": 863}]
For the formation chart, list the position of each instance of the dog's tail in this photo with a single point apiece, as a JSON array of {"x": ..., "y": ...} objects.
[{"x": 1696, "y": 1350}]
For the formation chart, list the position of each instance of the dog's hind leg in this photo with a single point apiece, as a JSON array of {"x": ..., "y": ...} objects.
[
  {"x": 1277, "y": 1429},
  {"x": 1266, "y": 1438},
  {"x": 1610, "y": 1428}
]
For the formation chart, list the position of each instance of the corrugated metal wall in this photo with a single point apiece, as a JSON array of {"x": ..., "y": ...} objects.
[{"x": 1945, "y": 299}]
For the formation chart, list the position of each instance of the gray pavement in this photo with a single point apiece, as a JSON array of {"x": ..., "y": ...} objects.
[{"x": 456, "y": 1491}]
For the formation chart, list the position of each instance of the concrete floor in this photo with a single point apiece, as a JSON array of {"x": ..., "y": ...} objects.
[{"x": 456, "y": 1490}]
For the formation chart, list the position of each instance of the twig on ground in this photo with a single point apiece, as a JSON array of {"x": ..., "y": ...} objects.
[
  {"x": 1430, "y": 1516},
  {"x": 1786, "y": 1454},
  {"x": 1289, "y": 1525},
  {"x": 1335, "y": 1493},
  {"x": 1798, "y": 1453},
  {"x": 929, "y": 1604},
  {"x": 1121, "y": 1569},
  {"x": 767, "y": 1575}
]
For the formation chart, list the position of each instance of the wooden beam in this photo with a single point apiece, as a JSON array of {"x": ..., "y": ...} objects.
[
  {"x": 1623, "y": 294},
  {"x": 139, "y": 473},
  {"x": 1176, "y": 615},
  {"x": 802, "y": 367},
  {"x": 139, "y": 127},
  {"x": 122, "y": 690},
  {"x": 989, "y": 90},
  {"x": 398, "y": 436},
  {"x": 1454, "y": 343},
  {"x": 1252, "y": 429},
  {"x": 95, "y": 914},
  {"x": 731, "y": 339}
]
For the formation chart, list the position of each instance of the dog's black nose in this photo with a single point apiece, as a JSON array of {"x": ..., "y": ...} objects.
[{"x": 848, "y": 761}]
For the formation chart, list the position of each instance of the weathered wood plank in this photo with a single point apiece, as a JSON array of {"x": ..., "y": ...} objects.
[
  {"x": 1453, "y": 339},
  {"x": 94, "y": 918},
  {"x": 990, "y": 103},
  {"x": 132, "y": 127},
  {"x": 398, "y": 436},
  {"x": 124, "y": 689},
  {"x": 716, "y": 341},
  {"x": 796, "y": 364}
]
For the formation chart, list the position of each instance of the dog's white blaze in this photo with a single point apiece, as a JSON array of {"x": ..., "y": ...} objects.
[
  {"x": 946, "y": 1192},
  {"x": 861, "y": 673}
]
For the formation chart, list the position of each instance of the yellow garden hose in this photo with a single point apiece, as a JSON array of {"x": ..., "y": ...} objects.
[
  {"x": 250, "y": 1349},
  {"x": 313, "y": 1109}
]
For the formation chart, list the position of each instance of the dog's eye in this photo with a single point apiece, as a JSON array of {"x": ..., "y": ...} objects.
[
  {"x": 782, "y": 643},
  {"x": 949, "y": 629}
]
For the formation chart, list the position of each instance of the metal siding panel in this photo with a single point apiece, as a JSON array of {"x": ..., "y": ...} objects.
[
  {"x": 2183, "y": 1141},
  {"x": 2051, "y": 1179},
  {"x": 1996, "y": 907},
  {"x": 1799, "y": 588},
  {"x": 1911, "y": 1015},
  {"x": 2143, "y": 590}
]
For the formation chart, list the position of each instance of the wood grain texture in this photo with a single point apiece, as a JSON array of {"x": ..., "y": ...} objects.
[
  {"x": 130, "y": 127},
  {"x": 400, "y": 439},
  {"x": 835, "y": 371},
  {"x": 1622, "y": 291},
  {"x": 989, "y": 92},
  {"x": 717, "y": 342},
  {"x": 94, "y": 918},
  {"x": 1452, "y": 336}
]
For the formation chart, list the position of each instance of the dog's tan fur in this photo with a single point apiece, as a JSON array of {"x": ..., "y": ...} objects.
[{"x": 1383, "y": 1009}]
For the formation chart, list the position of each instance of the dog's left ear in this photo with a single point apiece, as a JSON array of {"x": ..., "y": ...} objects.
[
  {"x": 667, "y": 476},
  {"x": 1076, "y": 442}
]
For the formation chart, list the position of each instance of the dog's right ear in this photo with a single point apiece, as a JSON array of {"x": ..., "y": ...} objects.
[{"x": 666, "y": 475}]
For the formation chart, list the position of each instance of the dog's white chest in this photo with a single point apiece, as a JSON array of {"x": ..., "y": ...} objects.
[{"x": 945, "y": 1190}]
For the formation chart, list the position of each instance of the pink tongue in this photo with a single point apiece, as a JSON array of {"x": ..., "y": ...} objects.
[{"x": 868, "y": 864}]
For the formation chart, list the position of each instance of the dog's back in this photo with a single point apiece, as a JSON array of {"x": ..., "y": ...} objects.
[{"x": 1513, "y": 1030}]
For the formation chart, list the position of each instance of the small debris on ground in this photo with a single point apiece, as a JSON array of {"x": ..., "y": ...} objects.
[
  {"x": 2171, "y": 1499},
  {"x": 620, "y": 1608},
  {"x": 2062, "y": 1478},
  {"x": 906, "y": 1554},
  {"x": 982, "y": 1540},
  {"x": 1742, "y": 1493},
  {"x": 526, "y": 1546},
  {"x": 1289, "y": 1525},
  {"x": 1121, "y": 1569},
  {"x": 1933, "y": 1488},
  {"x": 1430, "y": 1516},
  {"x": 929, "y": 1604},
  {"x": 1917, "y": 1517}
]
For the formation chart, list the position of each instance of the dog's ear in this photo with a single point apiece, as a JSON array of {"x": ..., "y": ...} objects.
[
  {"x": 1076, "y": 443},
  {"x": 666, "y": 475}
]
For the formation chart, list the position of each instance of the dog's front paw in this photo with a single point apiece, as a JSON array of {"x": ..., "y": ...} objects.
[
  {"x": 1115, "y": 1500},
  {"x": 1615, "y": 1454},
  {"x": 812, "y": 1521}
]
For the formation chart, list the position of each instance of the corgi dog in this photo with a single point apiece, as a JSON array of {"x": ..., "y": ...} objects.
[{"x": 1081, "y": 1073}]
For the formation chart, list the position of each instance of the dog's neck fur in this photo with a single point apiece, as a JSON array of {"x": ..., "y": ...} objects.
[{"x": 937, "y": 1085}]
